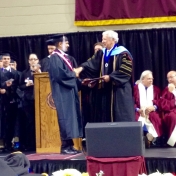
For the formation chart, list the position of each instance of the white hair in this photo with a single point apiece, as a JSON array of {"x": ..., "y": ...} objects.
[
  {"x": 145, "y": 73},
  {"x": 137, "y": 82},
  {"x": 111, "y": 34}
]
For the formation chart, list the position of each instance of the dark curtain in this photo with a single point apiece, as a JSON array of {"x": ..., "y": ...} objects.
[
  {"x": 163, "y": 165},
  {"x": 21, "y": 47},
  {"x": 50, "y": 166},
  {"x": 152, "y": 49}
]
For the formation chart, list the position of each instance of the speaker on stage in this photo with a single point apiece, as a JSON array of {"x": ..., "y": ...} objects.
[{"x": 116, "y": 139}]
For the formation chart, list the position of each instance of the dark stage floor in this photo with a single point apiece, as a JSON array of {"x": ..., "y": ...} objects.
[{"x": 162, "y": 159}]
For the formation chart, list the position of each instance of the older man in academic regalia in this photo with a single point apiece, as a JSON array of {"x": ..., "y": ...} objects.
[
  {"x": 113, "y": 66},
  {"x": 65, "y": 94},
  {"x": 145, "y": 96},
  {"x": 168, "y": 106}
]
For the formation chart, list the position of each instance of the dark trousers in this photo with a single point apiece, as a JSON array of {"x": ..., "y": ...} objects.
[
  {"x": 20, "y": 125},
  {"x": 1, "y": 120},
  {"x": 9, "y": 120},
  {"x": 29, "y": 125}
]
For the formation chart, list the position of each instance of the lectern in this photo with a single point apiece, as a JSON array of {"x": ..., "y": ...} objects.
[{"x": 46, "y": 121}]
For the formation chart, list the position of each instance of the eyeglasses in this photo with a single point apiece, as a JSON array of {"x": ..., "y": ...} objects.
[
  {"x": 170, "y": 77},
  {"x": 33, "y": 59}
]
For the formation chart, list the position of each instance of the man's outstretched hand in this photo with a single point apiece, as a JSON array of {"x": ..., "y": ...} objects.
[{"x": 78, "y": 71}]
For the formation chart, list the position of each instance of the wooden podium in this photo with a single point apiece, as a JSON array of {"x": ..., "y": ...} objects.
[{"x": 46, "y": 121}]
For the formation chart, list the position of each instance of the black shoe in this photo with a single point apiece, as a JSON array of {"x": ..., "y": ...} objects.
[
  {"x": 68, "y": 151},
  {"x": 73, "y": 149}
]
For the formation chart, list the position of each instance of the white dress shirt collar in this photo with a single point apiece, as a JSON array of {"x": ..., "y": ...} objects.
[
  {"x": 62, "y": 52},
  {"x": 8, "y": 68}
]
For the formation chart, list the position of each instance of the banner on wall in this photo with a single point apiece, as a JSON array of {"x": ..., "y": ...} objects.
[{"x": 112, "y": 12}]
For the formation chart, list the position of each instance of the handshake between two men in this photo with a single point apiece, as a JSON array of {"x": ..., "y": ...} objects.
[{"x": 90, "y": 82}]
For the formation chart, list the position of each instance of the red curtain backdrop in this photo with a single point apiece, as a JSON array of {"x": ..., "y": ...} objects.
[{"x": 111, "y": 12}]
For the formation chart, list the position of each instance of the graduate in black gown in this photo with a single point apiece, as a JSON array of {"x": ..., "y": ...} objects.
[
  {"x": 9, "y": 99},
  {"x": 19, "y": 134},
  {"x": 45, "y": 62},
  {"x": 65, "y": 94},
  {"x": 114, "y": 65},
  {"x": 3, "y": 86}
]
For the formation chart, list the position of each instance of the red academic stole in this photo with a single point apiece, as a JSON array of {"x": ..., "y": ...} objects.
[{"x": 64, "y": 59}]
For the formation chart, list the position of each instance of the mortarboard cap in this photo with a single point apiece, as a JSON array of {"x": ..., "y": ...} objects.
[
  {"x": 8, "y": 53},
  {"x": 50, "y": 42},
  {"x": 59, "y": 38},
  {"x": 12, "y": 61},
  {"x": 5, "y": 54}
]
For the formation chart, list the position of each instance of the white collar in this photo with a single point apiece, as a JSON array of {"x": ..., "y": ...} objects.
[
  {"x": 62, "y": 52},
  {"x": 110, "y": 49},
  {"x": 8, "y": 68}
]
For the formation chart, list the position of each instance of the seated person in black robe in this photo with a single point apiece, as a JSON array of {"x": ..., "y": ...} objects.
[{"x": 65, "y": 94}]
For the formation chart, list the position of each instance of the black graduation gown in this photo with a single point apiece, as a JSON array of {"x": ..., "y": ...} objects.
[
  {"x": 10, "y": 94},
  {"x": 2, "y": 122},
  {"x": 44, "y": 64},
  {"x": 114, "y": 101},
  {"x": 20, "y": 93},
  {"x": 10, "y": 105},
  {"x": 65, "y": 96}
]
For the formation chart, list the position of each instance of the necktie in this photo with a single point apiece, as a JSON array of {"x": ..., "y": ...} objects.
[{"x": 5, "y": 70}]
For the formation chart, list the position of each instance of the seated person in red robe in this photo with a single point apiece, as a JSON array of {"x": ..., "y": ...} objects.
[
  {"x": 168, "y": 106},
  {"x": 145, "y": 95}
]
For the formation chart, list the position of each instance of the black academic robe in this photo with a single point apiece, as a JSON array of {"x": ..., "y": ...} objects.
[
  {"x": 10, "y": 94},
  {"x": 114, "y": 100},
  {"x": 90, "y": 98},
  {"x": 2, "y": 122},
  {"x": 20, "y": 93},
  {"x": 65, "y": 96},
  {"x": 75, "y": 65},
  {"x": 10, "y": 105},
  {"x": 44, "y": 64}
]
